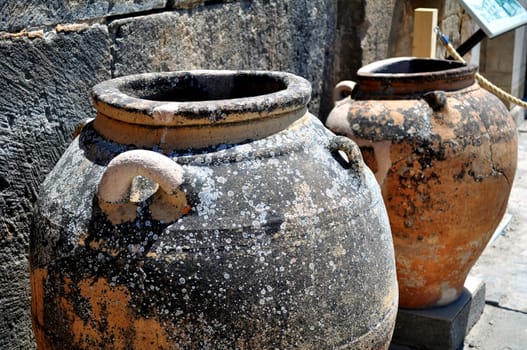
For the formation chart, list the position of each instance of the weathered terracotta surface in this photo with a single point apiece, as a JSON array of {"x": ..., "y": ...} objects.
[
  {"x": 280, "y": 242},
  {"x": 444, "y": 153}
]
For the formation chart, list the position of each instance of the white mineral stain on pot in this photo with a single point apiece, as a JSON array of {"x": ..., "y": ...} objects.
[
  {"x": 227, "y": 257},
  {"x": 448, "y": 294}
]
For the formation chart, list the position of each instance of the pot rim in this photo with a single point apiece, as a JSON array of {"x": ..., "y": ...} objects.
[
  {"x": 372, "y": 70},
  {"x": 114, "y": 98},
  {"x": 375, "y": 81}
]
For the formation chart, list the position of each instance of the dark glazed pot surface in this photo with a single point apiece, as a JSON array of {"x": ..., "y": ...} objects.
[{"x": 249, "y": 230}]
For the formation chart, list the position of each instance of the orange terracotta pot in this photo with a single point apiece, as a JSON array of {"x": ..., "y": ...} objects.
[{"x": 444, "y": 153}]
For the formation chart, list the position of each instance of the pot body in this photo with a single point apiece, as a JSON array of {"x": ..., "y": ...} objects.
[
  {"x": 444, "y": 153},
  {"x": 262, "y": 254}
]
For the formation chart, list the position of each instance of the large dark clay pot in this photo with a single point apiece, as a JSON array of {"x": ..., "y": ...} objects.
[
  {"x": 210, "y": 210},
  {"x": 444, "y": 153}
]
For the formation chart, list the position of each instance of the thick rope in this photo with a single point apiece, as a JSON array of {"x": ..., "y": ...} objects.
[{"x": 484, "y": 82}]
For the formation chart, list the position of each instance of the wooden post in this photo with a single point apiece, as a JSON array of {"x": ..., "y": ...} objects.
[{"x": 424, "y": 42}]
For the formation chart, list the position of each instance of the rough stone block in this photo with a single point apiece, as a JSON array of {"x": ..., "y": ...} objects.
[
  {"x": 376, "y": 37},
  {"x": 46, "y": 82},
  {"x": 441, "y": 328},
  {"x": 16, "y": 15},
  {"x": 176, "y": 4},
  {"x": 277, "y": 35}
]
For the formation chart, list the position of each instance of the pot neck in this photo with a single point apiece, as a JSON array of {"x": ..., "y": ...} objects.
[
  {"x": 410, "y": 77},
  {"x": 196, "y": 109}
]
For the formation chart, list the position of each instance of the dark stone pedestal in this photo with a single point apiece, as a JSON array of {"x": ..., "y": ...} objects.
[{"x": 440, "y": 328}]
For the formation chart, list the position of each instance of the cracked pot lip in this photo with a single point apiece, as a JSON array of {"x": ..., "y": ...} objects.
[
  {"x": 410, "y": 77},
  {"x": 124, "y": 98}
]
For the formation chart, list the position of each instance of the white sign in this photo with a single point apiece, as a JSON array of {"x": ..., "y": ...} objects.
[{"x": 496, "y": 17}]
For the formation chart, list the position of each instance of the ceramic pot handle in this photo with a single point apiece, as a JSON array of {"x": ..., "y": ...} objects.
[
  {"x": 343, "y": 89},
  {"x": 169, "y": 202},
  {"x": 437, "y": 100},
  {"x": 352, "y": 152}
]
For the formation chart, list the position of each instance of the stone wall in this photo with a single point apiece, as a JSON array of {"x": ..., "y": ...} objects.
[
  {"x": 52, "y": 52},
  {"x": 44, "y": 83}
]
